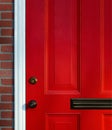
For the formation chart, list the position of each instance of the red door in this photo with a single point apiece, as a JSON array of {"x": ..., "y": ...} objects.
[{"x": 69, "y": 64}]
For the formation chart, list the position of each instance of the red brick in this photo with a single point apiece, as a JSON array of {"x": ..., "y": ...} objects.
[
  {"x": 7, "y": 1},
  {"x": 7, "y": 129},
  {"x": 7, "y": 98},
  {"x": 6, "y": 90},
  {"x": 7, "y": 32},
  {"x": 6, "y": 40},
  {"x": 5, "y": 7},
  {"x": 6, "y": 65},
  {"x": 7, "y": 81},
  {"x": 7, "y": 114},
  {"x": 6, "y": 24},
  {"x": 5, "y": 122},
  {"x": 7, "y": 15},
  {"x": 7, "y": 73},
  {"x": 7, "y": 48},
  {"x": 6, "y": 106},
  {"x": 6, "y": 57}
]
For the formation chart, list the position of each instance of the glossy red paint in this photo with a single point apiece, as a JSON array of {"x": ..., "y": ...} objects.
[{"x": 69, "y": 51}]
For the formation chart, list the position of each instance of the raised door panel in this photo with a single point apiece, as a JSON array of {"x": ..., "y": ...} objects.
[
  {"x": 107, "y": 121},
  {"x": 61, "y": 46},
  {"x": 96, "y": 119},
  {"x": 107, "y": 48},
  {"x": 62, "y": 121},
  {"x": 96, "y": 48}
]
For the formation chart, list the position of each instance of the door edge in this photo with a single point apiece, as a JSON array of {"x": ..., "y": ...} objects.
[{"x": 19, "y": 65}]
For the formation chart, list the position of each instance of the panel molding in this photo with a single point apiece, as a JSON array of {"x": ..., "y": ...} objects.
[{"x": 102, "y": 43}]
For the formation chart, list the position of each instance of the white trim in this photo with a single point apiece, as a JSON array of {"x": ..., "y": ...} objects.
[{"x": 19, "y": 70}]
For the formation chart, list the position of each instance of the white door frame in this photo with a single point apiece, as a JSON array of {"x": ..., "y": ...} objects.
[{"x": 19, "y": 65}]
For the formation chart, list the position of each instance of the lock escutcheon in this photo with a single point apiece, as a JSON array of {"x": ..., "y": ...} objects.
[{"x": 33, "y": 80}]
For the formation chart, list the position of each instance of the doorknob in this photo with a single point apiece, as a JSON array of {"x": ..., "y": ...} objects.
[{"x": 32, "y": 104}]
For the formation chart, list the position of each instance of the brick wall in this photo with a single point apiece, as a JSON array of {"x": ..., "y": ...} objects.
[{"x": 6, "y": 64}]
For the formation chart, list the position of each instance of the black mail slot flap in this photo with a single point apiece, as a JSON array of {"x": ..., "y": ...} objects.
[{"x": 91, "y": 103}]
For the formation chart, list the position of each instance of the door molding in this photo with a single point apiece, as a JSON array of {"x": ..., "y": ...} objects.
[{"x": 19, "y": 65}]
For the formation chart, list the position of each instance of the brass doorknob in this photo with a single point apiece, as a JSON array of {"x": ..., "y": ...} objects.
[
  {"x": 33, "y": 80},
  {"x": 32, "y": 104}
]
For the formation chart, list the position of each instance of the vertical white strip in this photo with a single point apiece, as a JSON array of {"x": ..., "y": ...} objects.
[{"x": 19, "y": 59}]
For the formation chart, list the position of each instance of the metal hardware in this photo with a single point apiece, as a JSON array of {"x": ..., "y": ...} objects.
[
  {"x": 33, "y": 80},
  {"x": 32, "y": 104},
  {"x": 91, "y": 103}
]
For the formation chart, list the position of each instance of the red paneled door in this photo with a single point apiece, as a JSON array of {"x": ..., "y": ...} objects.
[{"x": 69, "y": 64}]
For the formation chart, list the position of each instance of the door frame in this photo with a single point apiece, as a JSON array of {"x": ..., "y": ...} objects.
[{"x": 19, "y": 65}]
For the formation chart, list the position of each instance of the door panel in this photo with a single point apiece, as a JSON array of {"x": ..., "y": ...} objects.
[
  {"x": 107, "y": 37},
  {"x": 90, "y": 48},
  {"x": 68, "y": 51},
  {"x": 60, "y": 27},
  {"x": 107, "y": 118},
  {"x": 96, "y": 48},
  {"x": 62, "y": 122}
]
